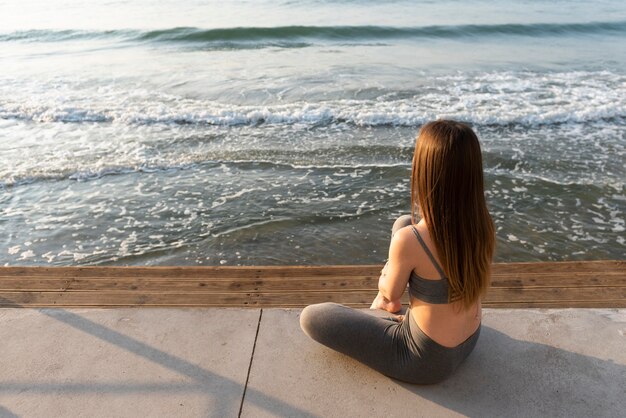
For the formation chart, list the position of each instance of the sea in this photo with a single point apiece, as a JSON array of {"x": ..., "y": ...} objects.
[{"x": 280, "y": 132}]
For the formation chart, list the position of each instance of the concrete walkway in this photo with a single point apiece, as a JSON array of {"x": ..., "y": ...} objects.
[{"x": 256, "y": 363}]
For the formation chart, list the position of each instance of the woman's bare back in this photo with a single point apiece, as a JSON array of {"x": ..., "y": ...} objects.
[{"x": 447, "y": 324}]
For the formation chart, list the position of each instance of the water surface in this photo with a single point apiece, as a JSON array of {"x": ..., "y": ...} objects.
[{"x": 281, "y": 132}]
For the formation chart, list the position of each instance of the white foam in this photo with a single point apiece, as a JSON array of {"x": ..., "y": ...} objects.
[
  {"x": 223, "y": 199},
  {"x": 142, "y": 134},
  {"x": 512, "y": 238},
  {"x": 127, "y": 244},
  {"x": 498, "y": 98},
  {"x": 26, "y": 255}
]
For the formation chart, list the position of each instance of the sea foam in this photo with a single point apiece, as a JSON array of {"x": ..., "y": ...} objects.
[{"x": 501, "y": 98}]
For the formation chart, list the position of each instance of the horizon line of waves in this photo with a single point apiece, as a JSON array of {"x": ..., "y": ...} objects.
[
  {"x": 57, "y": 174},
  {"x": 288, "y": 34}
]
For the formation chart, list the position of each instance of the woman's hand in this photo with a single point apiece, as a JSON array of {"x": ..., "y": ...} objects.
[
  {"x": 381, "y": 302},
  {"x": 397, "y": 318}
]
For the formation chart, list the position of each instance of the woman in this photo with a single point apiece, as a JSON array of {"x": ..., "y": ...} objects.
[{"x": 445, "y": 259}]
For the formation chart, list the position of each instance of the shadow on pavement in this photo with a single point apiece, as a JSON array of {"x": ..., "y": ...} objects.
[{"x": 509, "y": 377}]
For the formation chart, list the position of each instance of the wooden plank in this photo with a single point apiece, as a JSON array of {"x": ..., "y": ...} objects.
[
  {"x": 559, "y": 296},
  {"x": 33, "y": 283},
  {"x": 599, "y": 267},
  {"x": 275, "y": 286},
  {"x": 194, "y": 272},
  {"x": 239, "y": 299},
  {"x": 564, "y": 284},
  {"x": 21, "y": 300},
  {"x": 295, "y": 284},
  {"x": 555, "y": 294},
  {"x": 537, "y": 270},
  {"x": 325, "y": 283},
  {"x": 560, "y": 279}
]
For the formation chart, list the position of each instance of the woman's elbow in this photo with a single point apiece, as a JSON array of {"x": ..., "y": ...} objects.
[{"x": 389, "y": 292}]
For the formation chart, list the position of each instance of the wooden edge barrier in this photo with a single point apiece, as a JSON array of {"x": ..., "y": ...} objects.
[{"x": 549, "y": 285}]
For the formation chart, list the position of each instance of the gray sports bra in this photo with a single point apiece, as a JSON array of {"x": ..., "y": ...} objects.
[{"x": 431, "y": 291}]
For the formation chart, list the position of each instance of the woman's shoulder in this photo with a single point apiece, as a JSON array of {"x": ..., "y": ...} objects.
[
  {"x": 404, "y": 238},
  {"x": 408, "y": 244},
  {"x": 408, "y": 236}
]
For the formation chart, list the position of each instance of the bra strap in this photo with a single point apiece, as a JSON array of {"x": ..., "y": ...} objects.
[{"x": 428, "y": 253}]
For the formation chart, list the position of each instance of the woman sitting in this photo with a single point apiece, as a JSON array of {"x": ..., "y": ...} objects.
[{"x": 444, "y": 258}]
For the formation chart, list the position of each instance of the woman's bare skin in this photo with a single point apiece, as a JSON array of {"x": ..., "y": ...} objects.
[{"x": 446, "y": 324}]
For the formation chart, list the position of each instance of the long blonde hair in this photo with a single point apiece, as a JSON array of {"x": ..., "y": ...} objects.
[{"x": 448, "y": 191}]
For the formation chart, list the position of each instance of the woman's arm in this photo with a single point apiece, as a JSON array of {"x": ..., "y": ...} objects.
[
  {"x": 395, "y": 275},
  {"x": 381, "y": 302}
]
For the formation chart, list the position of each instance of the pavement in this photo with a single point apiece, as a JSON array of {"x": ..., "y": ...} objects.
[{"x": 258, "y": 363}]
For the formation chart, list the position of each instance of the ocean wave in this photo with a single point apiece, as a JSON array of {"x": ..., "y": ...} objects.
[
  {"x": 296, "y": 167},
  {"x": 353, "y": 33},
  {"x": 363, "y": 113},
  {"x": 499, "y": 98},
  {"x": 303, "y": 35},
  {"x": 50, "y": 35},
  {"x": 60, "y": 173},
  {"x": 86, "y": 174}
]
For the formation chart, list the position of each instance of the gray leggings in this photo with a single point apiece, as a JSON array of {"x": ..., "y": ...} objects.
[{"x": 396, "y": 349}]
